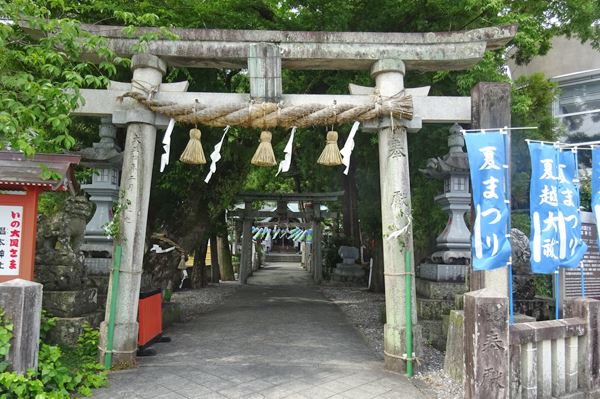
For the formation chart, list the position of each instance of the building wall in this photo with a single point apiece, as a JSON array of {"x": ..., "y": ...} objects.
[
  {"x": 565, "y": 57},
  {"x": 576, "y": 69}
]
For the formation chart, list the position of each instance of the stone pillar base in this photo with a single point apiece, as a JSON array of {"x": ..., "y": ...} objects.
[
  {"x": 393, "y": 352},
  {"x": 126, "y": 357}
]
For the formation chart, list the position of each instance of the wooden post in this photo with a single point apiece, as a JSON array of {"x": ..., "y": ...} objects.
[{"x": 490, "y": 108}]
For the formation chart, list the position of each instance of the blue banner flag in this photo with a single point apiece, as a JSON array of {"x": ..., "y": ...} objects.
[
  {"x": 487, "y": 162},
  {"x": 554, "y": 199},
  {"x": 596, "y": 188},
  {"x": 573, "y": 248}
]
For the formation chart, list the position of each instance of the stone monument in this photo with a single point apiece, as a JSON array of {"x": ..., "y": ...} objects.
[
  {"x": 105, "y": 157},
  {"x": 348, "y": 270},
  {"x": 59, "y": 267},
  {"x": 443, "y": 277}
]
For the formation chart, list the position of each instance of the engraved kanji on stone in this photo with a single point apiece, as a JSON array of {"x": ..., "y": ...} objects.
[
  {"x": 493, "y": 342},
  {"x": 396, "y": 147},
  {"x": 492, "y": 379}
]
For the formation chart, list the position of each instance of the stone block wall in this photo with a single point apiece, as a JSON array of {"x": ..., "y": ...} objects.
[{"x": 543, "y": 359}]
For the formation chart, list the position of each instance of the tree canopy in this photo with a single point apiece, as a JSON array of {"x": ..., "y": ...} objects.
[{"x": 40, "y": 78}]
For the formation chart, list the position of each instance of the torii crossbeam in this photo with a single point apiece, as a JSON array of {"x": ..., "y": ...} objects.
[{"x": 264, "y": 53}]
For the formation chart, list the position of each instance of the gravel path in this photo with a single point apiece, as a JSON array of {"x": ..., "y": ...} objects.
[
  {"x": 202, "y": 300},
  {"x": 365, "y": 311}
]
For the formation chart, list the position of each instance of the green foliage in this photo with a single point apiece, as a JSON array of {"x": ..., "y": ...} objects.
[
  {"x": 521, "y": 221},
  {"x": 6, "y": 328},
  {"x": 33, "y": 74},
  {"x": 543, "y": 285},
  {"x": 40, "y": 77},
  {"x": 51, "y": 202},
  {"x": 113, "y": 228},
  {"x": 53, "y": 379}
]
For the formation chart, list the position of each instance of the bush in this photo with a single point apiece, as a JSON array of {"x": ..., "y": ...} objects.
[{"x": 59, "y": 375}]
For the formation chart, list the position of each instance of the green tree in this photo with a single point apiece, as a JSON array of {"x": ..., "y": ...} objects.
[{"x": 182, "y": 203}]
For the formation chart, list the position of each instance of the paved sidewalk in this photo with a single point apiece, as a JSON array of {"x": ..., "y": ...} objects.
[{"x": 277, "y": 337}]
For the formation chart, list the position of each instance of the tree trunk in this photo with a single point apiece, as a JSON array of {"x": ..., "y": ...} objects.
[
  {"x": 198, "y": 278},
  {"x": 377, "y": 277},
  {"x": 350, "y": 206},
  {"x": 214, "y": 260},
  {"x": 224, "y": 255}
]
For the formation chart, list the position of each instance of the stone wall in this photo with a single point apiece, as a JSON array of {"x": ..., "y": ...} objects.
[{"x": 543, "y": 359}]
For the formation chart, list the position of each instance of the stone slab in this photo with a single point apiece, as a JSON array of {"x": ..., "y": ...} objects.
[
  {"x": 454, "y": 361},
  {"x": 70, "y": 303},
  {"x": 433, "y": 309},
  {"x": 439, "y": 289},
  {"x": 98, "y": 265},
  {"x": 432, "y": 331},
  {"x": 68, "y": 329},
  {"x": 349, "y": 270},
  {"x": 438, "y": 272},
  {"x": 22, "y": 304}
]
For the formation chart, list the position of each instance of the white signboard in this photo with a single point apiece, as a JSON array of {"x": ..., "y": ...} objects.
[{"x": 11, "y": 227}]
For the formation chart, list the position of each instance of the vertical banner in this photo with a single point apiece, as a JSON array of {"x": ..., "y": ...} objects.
[
  {"x": 554, "y": 198},
  {"x": 596, "y": 189},
  {"x": 487, "y": 162},
  {"x": 568, "y": 210},
  {"x": 543, "y": 200}
]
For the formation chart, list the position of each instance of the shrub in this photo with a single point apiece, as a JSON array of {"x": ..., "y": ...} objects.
[{"x": 56, "y": 377}]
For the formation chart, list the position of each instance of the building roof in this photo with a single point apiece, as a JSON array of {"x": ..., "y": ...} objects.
[{"x": 18, "y": 171}]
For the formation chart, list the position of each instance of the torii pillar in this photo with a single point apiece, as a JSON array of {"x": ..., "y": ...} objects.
[
  {"x": 148, "y": 70},
  {"x": 395, "y": 215}
]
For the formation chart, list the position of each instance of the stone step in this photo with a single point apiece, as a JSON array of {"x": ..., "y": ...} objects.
[
  {"x": 438, "y": 289},
  {"x": 433, "y": 309},
  {"x": 70, "y": 303},
  {"x": 432, "y": 332},
  {"x": 437, "y": 272},
  {"x": 282, "y": 257}
]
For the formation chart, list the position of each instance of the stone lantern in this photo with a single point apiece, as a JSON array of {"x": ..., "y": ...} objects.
[
  {"x": 454, "y": 243},
  {"x": 441, "y": 278},
  {"x": 105, "y": 158}
]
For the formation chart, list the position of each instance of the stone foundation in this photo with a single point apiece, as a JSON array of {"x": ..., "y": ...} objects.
[{"x": 68, "y": 329}]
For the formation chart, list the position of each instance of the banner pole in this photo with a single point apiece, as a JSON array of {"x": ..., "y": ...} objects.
[
  {"x": 582, "y": 282},
  {"x": 556, "y": 293},
  {"x": 508, "y": 202},
  {"x": 578, "y": 187}
]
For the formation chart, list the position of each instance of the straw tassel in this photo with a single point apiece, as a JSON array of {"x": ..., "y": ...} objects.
[
  {"x": 264, "y": 155},
  {"x": 331, "y": 153},
  {"x": 193, "y": 153}
]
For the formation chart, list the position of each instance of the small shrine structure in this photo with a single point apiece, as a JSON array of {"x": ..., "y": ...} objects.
[{"x": 21, "y": 181}]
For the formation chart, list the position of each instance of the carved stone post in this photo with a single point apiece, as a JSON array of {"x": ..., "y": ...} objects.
[
  {"x": 148, "y": 71},
  {"x": 486, "y": 345},
  {"x": 395, "y": 215},
  {"x": 490, "y": 108}
]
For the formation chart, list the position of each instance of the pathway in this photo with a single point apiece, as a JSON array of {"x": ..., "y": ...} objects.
[{"x": 277, "y": 337}]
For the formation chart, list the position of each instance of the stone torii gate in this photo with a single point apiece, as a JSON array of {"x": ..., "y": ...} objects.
[
  {"x": 387, "y": 55},
  {"x": 314, "y": 215}
]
